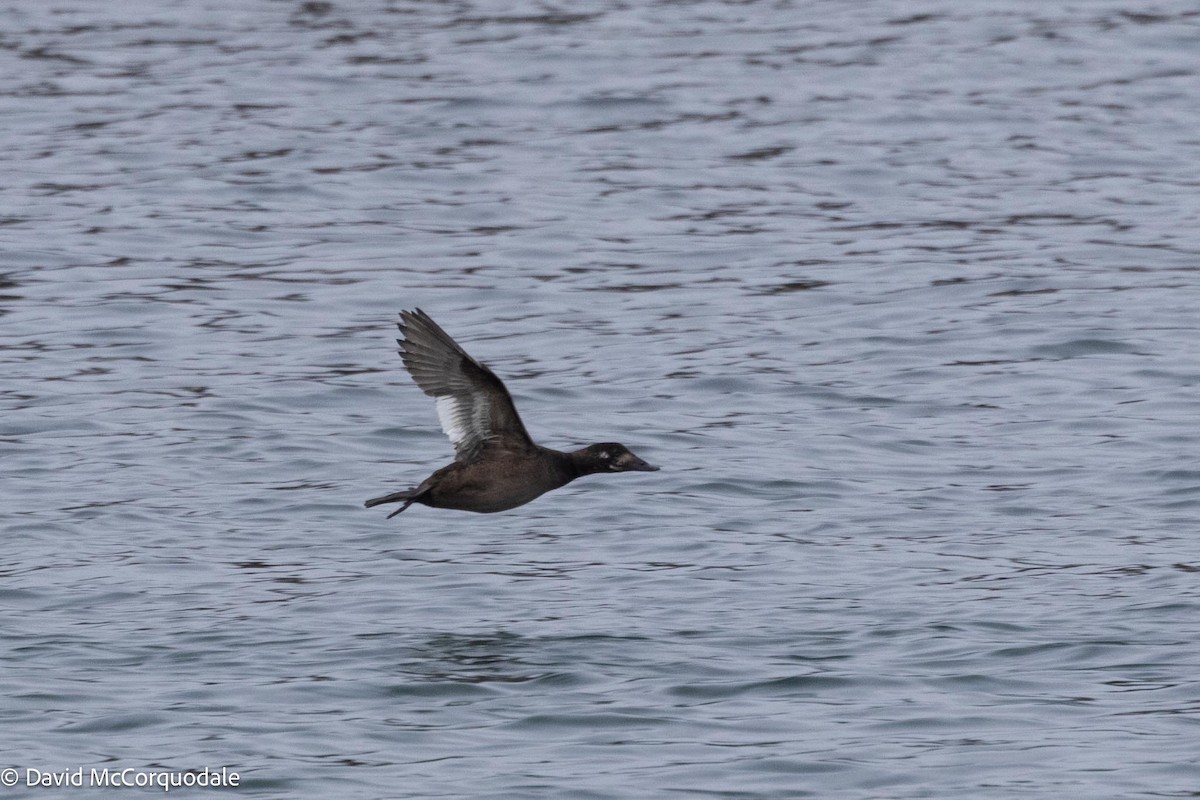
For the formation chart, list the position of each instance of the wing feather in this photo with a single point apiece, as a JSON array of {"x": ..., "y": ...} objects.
[{"x": 473, "y": 406}]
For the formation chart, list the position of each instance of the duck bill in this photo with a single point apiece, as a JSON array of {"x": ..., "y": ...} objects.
[{"x": 637, "y": 465}]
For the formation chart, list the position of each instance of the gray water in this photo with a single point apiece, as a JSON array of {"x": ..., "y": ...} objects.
[{"x": 902, "y": 297}]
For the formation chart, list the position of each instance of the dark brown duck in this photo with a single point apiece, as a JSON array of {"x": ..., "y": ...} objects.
[{"x": 496, "y": 465}]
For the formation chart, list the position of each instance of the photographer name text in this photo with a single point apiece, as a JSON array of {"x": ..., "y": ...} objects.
[{"x": 129, "y": 778}]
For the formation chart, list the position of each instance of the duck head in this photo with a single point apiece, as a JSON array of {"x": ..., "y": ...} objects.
[{"x": 611, "y": 457}]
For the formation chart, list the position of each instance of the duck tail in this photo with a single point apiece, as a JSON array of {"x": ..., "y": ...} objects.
[{"x": 408, "y": 496}]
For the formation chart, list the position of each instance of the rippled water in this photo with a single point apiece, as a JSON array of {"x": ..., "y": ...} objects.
[{"x": 903, "y": 298}]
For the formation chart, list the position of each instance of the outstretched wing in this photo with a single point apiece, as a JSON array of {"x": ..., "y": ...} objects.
[{"x": 472, "y": 403}]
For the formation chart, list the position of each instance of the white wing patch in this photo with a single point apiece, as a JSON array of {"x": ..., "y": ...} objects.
[{"x": 450, "y": 414}]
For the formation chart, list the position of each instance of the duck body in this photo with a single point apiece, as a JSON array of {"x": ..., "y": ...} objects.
[
  {"x": 498, "y": 466},
  {"x": 499, "y": 483}
]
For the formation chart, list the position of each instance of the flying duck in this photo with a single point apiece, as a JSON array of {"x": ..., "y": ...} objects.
[{"x": 497, "y": 466}]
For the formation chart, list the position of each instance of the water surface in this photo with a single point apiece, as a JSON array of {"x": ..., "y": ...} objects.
[{"x": 902, "y": 299}]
